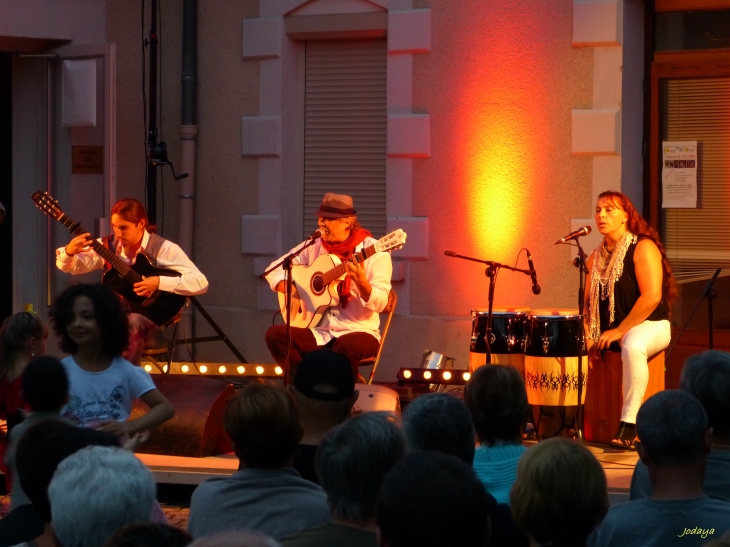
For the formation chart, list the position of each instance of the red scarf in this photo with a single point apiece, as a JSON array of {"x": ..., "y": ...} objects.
[{"x": 344, "y": 251}]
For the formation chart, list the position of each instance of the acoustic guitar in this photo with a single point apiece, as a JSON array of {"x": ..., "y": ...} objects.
[
  {"x": 317, "y": 283},
  {"x": 161, "y": 307}
]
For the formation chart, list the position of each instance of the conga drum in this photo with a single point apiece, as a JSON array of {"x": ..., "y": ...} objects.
[
  {"x": 507, "y": 341},
  {"x": 552, "y": 350}
]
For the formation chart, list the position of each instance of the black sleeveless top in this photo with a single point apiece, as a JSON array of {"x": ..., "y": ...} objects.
[{"x": 626, "y": 293}]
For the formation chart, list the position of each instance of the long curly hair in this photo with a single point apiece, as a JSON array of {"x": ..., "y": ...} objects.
[
  {"x": 110, "y": 315},
  {"x": 15, "y": 333},
  {"x": 637, "y": 225}
]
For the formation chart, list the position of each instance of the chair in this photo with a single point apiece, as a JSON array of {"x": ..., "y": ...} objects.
[{"x": 390, "y": 310}]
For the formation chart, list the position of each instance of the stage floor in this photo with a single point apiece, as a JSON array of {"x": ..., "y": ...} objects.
[{"x": 618, "y": 465}]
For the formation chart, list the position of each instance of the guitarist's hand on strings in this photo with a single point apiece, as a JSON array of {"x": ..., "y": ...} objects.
[
  {"x": 79, "y": 244},
  {"x": 360, "y": 278},
  {"x": 147, "y": 286}
]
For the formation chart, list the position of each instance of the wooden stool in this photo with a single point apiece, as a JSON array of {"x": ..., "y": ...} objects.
[{"x": 602, "y": 409}]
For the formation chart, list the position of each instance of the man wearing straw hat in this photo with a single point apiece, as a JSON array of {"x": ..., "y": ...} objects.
[{"x": 352, "y": 326}]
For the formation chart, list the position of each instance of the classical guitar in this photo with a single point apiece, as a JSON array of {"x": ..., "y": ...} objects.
[
  {"x": 317, "y": 283},
  {"x": 161, "y": 307}
]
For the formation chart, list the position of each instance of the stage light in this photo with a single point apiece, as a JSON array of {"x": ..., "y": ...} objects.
[
  {"x": 185, "y": 368},
  {"x": 406, "y": 374},
  {"x": 148, "y": 368},
  {"x": 259, "y": 370},
  {"x": 203, "y": 369},
  {"x": 466, "y": 376},
  {"x": 446, "y": 375},
  {"x": 279, "y": 371},
  {"x": 430, "y": 376},
  {"x": 222, "y": 369},
  {"x": 427, "y": 374},
  {"x": 164, "y": 369},
  {"x": 241, "y": 369}
]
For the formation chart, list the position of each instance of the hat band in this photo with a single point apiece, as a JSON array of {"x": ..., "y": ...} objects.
[{"x": 336, "y": 210}]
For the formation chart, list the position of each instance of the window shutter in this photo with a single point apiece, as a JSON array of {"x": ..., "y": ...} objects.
[
  {"x": 697, "y": 241},
  {"x": 345, "y": 128}
]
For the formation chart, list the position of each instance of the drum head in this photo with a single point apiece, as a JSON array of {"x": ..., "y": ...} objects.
[
  {"x": 500, "y": 309},
  {"x": 554, "y": 312}
]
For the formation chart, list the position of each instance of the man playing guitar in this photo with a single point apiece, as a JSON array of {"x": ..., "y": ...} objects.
[
  {"x": 351, "y": 327},
  {"x": 134, "y": 235}
]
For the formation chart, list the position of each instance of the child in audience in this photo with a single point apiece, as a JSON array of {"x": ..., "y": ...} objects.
[
  {"x": 45, "y": 390},
  {"x": 93, "y": 328},
  {"x": 22, "y": 337}
]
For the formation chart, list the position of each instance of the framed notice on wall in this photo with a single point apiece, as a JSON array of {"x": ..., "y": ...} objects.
[
  {"x": 679, "y": 174},
  {"x": 87, "y": 160}
]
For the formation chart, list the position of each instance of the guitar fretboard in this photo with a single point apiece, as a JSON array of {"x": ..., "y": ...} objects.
[
  {"x": 104, "y": 252},
  {"x": 340, "y": 269}
]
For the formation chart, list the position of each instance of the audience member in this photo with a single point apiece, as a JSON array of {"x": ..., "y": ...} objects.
[
  {"x": 497, "y": 400},
  {"x": 324, "y": 390},
  {"x": 439, "y": 422},
  {"x": 45, "y": 390},
  {"x": 149, "y": 535},
  {"x": 39, "y": 451},
  {"x": 23, "y": 337},
  {"x": 97, "y": 491},
  {"x": 560, "y": 493},
  {"x": 236, "y": 539},
  {"x": 352, "y": 461},
  {"x": 93, "y": 328},
  {"x": 707, "y": 377},
  {"x": 674, "y": 441},
  {"x": 431, "y": 499},
  {"x": 266, "y": 494}
]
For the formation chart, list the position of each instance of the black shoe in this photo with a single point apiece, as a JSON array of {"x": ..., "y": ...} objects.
[{"x": 625, "y": 437}]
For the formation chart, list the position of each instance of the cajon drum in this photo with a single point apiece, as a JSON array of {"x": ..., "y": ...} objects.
[{"x": 602, "y": 410}]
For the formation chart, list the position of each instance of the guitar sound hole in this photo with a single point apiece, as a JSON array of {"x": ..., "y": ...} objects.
[{"x": 317, "y": 284}]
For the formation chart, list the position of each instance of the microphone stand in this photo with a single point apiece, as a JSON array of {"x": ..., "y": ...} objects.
[
  {"x": 286, "y": 263},
  {"x": 580, "y": 262},
  {"x": 710, "y": 294},
  {"x": 491, "y": 272}
]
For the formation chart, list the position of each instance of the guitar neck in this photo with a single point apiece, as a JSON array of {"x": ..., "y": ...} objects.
[
  {"x": 99, "y": 248},
  {"x": 340, "y": 269}
]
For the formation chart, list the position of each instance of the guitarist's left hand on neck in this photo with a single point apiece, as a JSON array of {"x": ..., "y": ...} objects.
[
  {"x": 147, "y": 286},
  {"x": 359, "y": 277}
]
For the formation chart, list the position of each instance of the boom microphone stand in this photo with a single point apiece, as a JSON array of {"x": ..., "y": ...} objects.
[
  {"x": 491, "y": 272},
  {"x": 286, "y": 263},
  {"x": 580, "y": 262}
]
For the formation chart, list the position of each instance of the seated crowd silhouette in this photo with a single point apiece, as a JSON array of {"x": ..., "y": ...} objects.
[{"x": 450, "y": 472}]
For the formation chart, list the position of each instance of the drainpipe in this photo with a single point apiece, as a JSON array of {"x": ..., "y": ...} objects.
[{"x": 189, "y": 127}]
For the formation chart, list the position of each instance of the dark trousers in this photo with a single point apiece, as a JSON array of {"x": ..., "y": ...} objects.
[{"x": 355, "y": 346}]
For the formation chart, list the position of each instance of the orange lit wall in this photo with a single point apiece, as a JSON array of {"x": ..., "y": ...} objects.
[{"x": 499, "y": 84}]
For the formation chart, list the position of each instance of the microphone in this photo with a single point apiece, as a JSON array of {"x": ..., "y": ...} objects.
[
  {"x": 582, "y": 231},
  {"x": 533, "y": 274},
  {"x": 316, "y": 235}
]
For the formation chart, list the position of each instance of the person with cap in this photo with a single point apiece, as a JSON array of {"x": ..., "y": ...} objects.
[
  {"x": 324, "y": 390},
  {"x": 350, "y": 328}
]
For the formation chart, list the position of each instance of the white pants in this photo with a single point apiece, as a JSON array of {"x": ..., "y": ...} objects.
[{"x": 637, "y": 345}]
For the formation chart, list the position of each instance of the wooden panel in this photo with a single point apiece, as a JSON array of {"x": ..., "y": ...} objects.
[{"x": 685, "y": 5}]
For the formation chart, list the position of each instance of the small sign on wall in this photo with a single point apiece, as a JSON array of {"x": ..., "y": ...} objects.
[
  {"x": 679, "y": 174},
  {"x": 87, "y": 160}
]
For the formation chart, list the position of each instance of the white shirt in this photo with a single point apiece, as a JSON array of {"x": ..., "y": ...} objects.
[
  {"x": 192, "y": 282},
  {"x": 359, "y": 315}
]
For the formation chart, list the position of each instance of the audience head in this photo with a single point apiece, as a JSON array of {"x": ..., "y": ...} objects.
[
  {"x": 440, "y": 422},
  {"x": 45, "y": 384},
  {"x": 149, "y": 535},
  {"x": 236, "y": 539},
  {"x": 104, "y": 310},
  {"x": 707, "y": 377},
  {"x": 263, "y": 424},
  {"x": 431, "y": 499},
  {"x": 560, "y": 493},
  {"x": 42, "y": 448},
  {"x": 22, "y": 333},
  {"x": 497, "y": 400},
  {"x": 352, "y": 461},
  {"x": 324, "y": 387},
  {"x": 97, "y": 491},
  {"x": 672, "y": 430}
]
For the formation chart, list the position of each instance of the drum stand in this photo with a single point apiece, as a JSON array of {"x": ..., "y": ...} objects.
[{"x": 491, "y": 272}]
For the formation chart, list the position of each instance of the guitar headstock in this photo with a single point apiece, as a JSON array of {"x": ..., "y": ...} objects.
[
  {"x": 392, "y": 241},
  {"x": 47, "y": 204}
]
